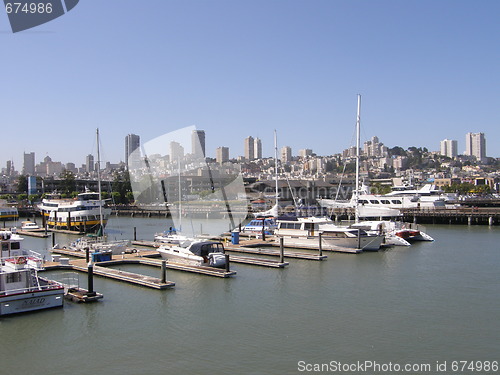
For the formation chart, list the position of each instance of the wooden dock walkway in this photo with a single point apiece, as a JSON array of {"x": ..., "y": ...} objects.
[{"x": 275, "y": 253}]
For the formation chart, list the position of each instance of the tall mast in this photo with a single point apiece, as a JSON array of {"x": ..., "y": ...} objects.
[
  {"x": 358, "y": 121},
  {"x": 276, "y": 165},
  {"x": 99, "y": 182}
]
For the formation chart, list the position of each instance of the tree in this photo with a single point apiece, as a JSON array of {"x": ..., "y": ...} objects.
[
  {"x": 22, "y": 184},
  {"x": 68, "y": 183}
]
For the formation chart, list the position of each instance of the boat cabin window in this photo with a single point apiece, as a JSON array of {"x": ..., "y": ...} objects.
[
  {"x": 5, "y": 246},
  {"x": 13, "y": 277},
  {"x": 363, "y": 201},
  {"x": 15, "y": 245},
  {"x": 385, "y": 201},
  {"x": 289, "y": 226},
  {"x": 373, "y": 201},
  {"x": 397, "y": 201},
  {"x": 308, "y": 226}
]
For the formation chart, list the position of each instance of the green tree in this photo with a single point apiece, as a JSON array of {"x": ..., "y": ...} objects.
[
  {"x": 22, "y": 184},
  {"x": 68, "y": 183}
]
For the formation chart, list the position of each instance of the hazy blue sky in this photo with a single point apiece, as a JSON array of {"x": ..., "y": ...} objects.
[{"x": 427, "y": 70}]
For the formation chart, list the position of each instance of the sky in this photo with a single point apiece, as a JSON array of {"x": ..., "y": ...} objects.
[{"x": 426, "y": 70}]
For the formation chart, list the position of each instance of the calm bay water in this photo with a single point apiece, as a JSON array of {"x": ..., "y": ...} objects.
[{"x": 430, "y": 302}]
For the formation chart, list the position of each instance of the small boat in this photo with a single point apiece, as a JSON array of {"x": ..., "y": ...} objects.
[
  {"x": 195, "y": 253},
  {"x": 257, "y": 225},
  {"x": 29, "y": 225},
  {"x": 100, "y": 244},
  {"x": 21, "y": 289},
  {"x": 170, "y": 236},
  {"x": 304, "y": 232},
  {"x": 7, "y": 212}
]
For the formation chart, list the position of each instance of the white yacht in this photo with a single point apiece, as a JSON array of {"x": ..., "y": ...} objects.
[
  {"x": 80, "y": 214},
  {"x": 268, "y": 224},
  {"x": 195, "y": 253},
  {"x": 304, "y": 232}
]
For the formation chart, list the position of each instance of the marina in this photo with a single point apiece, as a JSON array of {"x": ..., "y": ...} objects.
[{"x": 434, "y": 290}]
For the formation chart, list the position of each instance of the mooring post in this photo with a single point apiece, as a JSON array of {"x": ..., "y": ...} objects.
[
  {"x": 163, "y": 271},
  {"x": 320, "y": 247},
  {"x": 263, "y": 232},
  {"x": 87, "y": 254},
  {"x": 227, "y": 262},
  {"x": 91, "y": 280},
  {"x": 135, "y": 233},
  {"x": 53, "y": 239},
  {"x": 282, "y": 249}
]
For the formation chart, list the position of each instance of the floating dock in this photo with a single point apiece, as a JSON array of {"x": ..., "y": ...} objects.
[{"x": 274, "y": 253}]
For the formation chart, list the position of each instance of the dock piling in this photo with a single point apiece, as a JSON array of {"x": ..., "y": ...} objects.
[
  {"x": 163, "y": 271},
  {"x": 90, "y": 280},
  {"x": 227, "y": 262},
  {"x": 282, "y": 249},
  {"x": 320, "y": 245}
]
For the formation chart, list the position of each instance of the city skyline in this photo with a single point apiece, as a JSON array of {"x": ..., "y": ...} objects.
[
  {"x": 240, "y": 68},
  {"x": 371, "y": 148}
]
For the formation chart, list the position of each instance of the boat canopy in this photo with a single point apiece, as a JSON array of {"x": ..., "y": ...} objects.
[{"x": 204, "y": 248}]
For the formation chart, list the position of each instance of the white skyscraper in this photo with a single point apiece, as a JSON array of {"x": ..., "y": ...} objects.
[
  {"x": 257, "y": 150},
  {"x": 475, "y": 145},
  {"x": 449, "y": 148}
]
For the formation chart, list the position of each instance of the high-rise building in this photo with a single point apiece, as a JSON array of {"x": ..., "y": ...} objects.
[
  {"x": 198, "y": 143},
  {"x": 257, "y": 148},
  {"x": 29, "y": 164},
  {"x": 89, "y": 163},
  {"x": 286, "y": 154},
  {"x": 449, "y": 148},
  {"x": 249, "y": 148},
  {"x": 176, "y": 151},
  {"x": 304, "y": 153},
  {"x": 222, "y": 154},
  {"x": 132, "y": 142},
  {"x": 475, "y": 145}
]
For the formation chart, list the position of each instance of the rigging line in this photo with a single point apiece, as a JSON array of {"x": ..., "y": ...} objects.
[{"x": 224, "y": 195}]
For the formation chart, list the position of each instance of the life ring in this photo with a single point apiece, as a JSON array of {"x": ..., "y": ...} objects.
[{"x": 21, "y": 260}]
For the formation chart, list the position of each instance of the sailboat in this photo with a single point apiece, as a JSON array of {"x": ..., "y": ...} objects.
[{"x": 98, "y": 242}]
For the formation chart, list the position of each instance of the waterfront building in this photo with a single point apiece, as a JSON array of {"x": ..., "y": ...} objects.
[
  {"x": 249, "y": 148},
  {"x": 198, "y": 143},
  {"x": 449, "y": 148},
  {"x": 475, "y": 145},
  {"x": 29, "y": 163},
  {"x": 132, "y": 142},
  {"x": 222, "y": 154}
]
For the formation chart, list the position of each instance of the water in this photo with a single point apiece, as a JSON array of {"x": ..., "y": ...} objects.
[{"x": 430, "y": 302}]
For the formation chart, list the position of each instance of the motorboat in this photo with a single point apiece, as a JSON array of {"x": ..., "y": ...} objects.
[
  {"x": 81, "y": 214},
  {"x": 396, "y": 233},
  {"x": 257, "y": 225},
  {"x": 170, "y": 236},
  {"x": 195, "y": 253},
  {"x": 7, "y": 212},
  {"x": 22, "y": 290},
  {"x": 305, "y": 232},
  {"x": 29, "y": 225}
]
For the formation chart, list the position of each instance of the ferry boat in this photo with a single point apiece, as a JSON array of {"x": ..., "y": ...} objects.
[
  {"x": 195, "y": 253},
  {"x": 81, "y": 214},
  {"x": 6, "y": 212},
  {"x": 21, "y": 289},
  {"x": 304, "y": 232}
]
